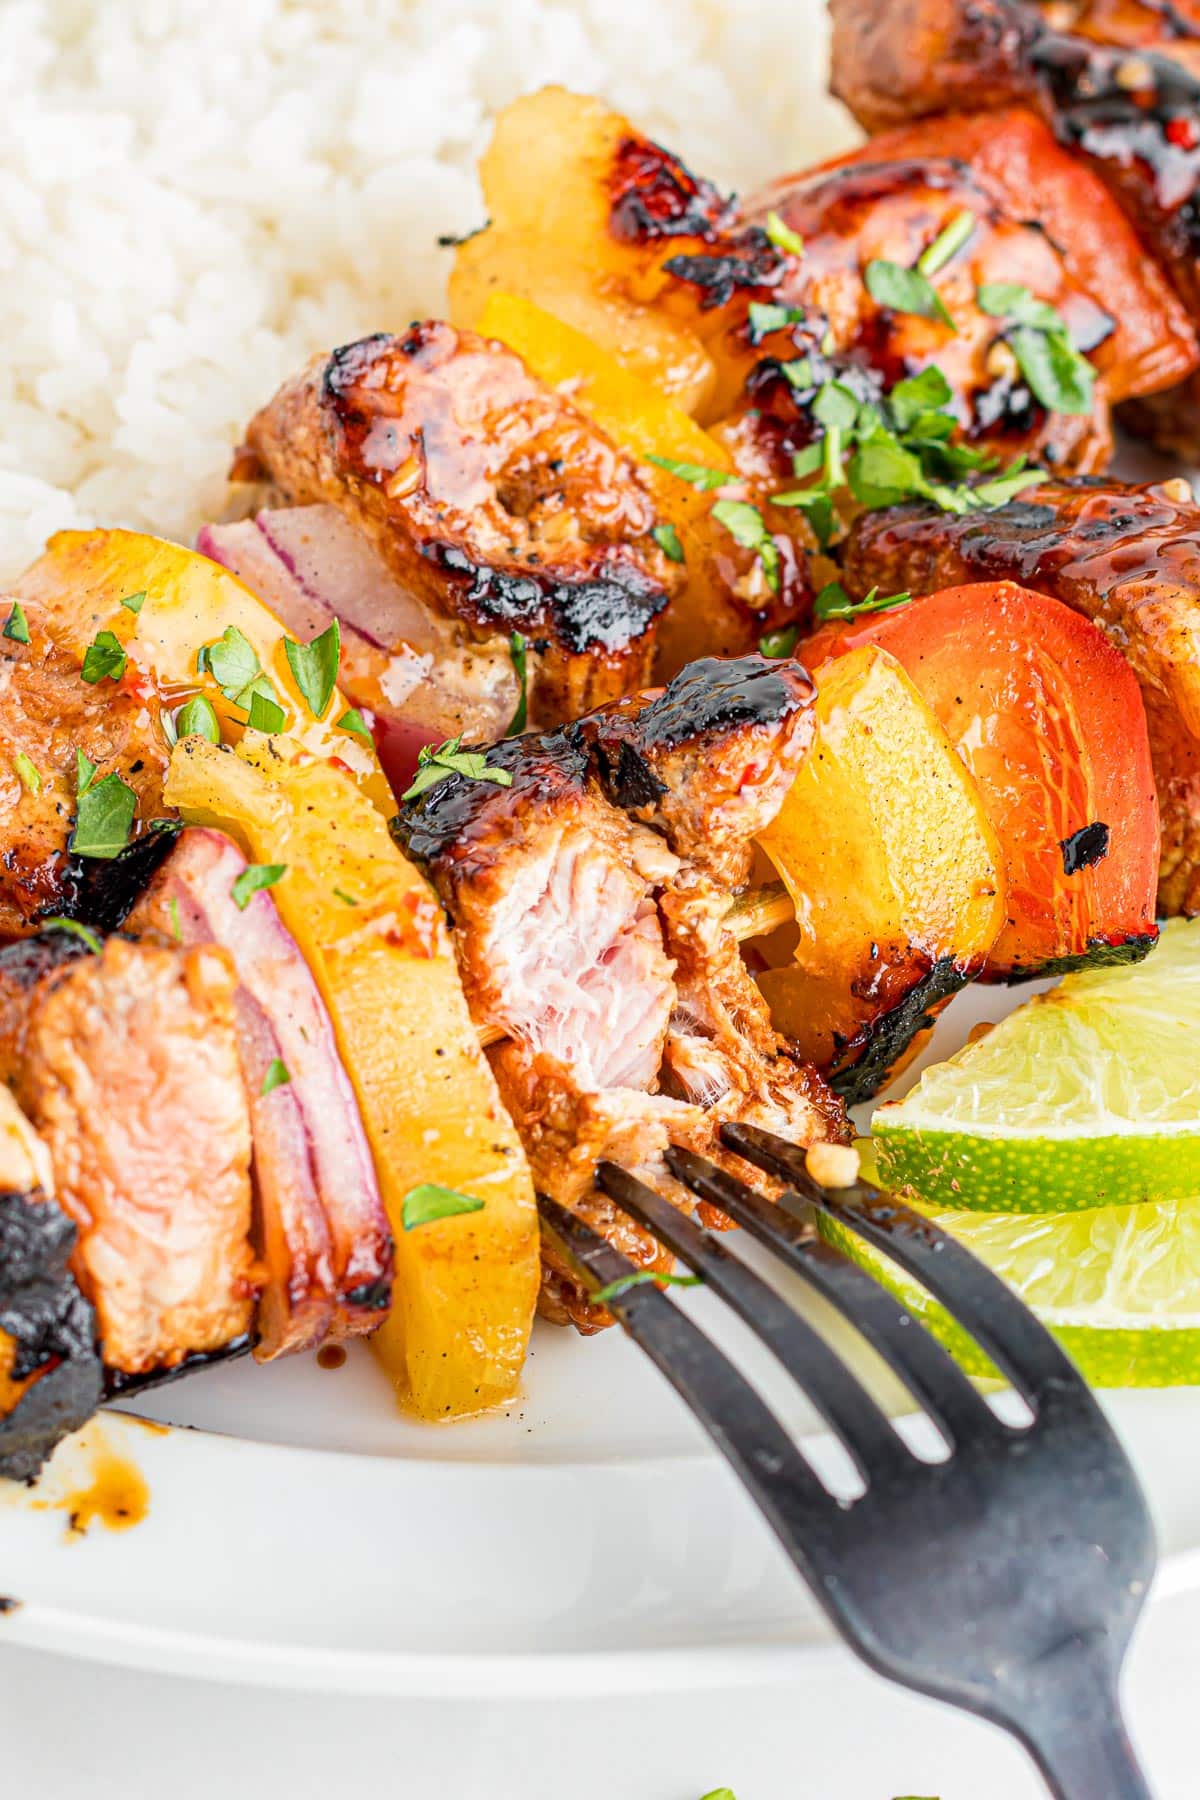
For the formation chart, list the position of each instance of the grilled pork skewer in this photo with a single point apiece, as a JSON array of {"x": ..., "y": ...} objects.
[{"x": 592, "y": 934}]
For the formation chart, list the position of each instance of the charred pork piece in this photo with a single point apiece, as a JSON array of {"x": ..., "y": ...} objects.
[
  {"x": 1021, "y": 214},
  {"x": 1127, "y": 557},
  {"x": 707, "y": 759},
  {"x": 602, "y": 955},
  {"x": 125, "y": 1062},
  {"x": 47, "y": 715},
  {"x": 50, "y": 1378},
  {"x": 320, "y": 1228},
  {"x": 494, "y": 502},
  {"x": 1118, "y": 83}
]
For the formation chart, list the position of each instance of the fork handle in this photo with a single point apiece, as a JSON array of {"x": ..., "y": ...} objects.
[{"x": 1077, "y": 1735}]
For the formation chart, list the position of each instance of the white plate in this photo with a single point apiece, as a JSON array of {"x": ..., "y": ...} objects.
[{"x": 587, "y": 1541}]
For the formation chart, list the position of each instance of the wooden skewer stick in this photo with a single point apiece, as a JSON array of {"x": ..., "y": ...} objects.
[{"x": 752, "y": 915}]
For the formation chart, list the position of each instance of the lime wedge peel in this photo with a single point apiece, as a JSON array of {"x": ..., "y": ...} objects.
[
  {"x": 1119, "y": 1286},
  {"x": 1086, "y": 1096}
]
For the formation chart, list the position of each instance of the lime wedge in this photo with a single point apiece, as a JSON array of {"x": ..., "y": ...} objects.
[
  {"x": 1088, "y": 1095},
  {"x": 1119, "y": 1286}
]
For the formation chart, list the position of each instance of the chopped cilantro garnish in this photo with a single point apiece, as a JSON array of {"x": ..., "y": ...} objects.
[
  {"x": 176, "y": 926},
  {"x": 516, "y": 649},
  {"x": 266, "y": 714},
  {"x": 74, "y": 929},
  {"x": 253, "y": 877},
  {"x": 315, "y": 667},
  {"x": 103, "y": 818},
  {"x": 905, "y": 290},
  {"x": 782, "y": 236},
  {"x": 948, "y": 242},
  {"x": 696, "y": 474},
  {"x": 639, "y": 1278},
  {"x": 198, "y": 718},
  {"x": 277, "y": 1075},
  {"x": 85, "y": 773},
  {"x": 798, "y": 372},
  {"x": 766, "y": 316},
  {"x": 833, "y": 602},
  {"x": 436, "y": 763},
  {"x": 779, "y": 643},
  {"x": 428, "y": 1202},
  {"x": 1058, "y": 375},
  {"x": 27, "y": 773},
  {"x": 835, "y": 407},
  {"x": 745, "y": 525},
  {"x": 104, "y": 658},
  {"x": 134, "y": 602},
  {"x": 232, "y": 662},
  {"x": 912, "y": 398},
  {"x": 667, "y": 539},
  {"x": 347, "y": 898},
  {"x": 16, "y": 626},
  {"x": 352, "y": 720}
]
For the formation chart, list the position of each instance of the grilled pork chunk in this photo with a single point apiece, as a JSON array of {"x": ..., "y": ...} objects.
[
  {"x": 320, "y": 1227},
  {"x": 126, "y": 1064},
  {"x": 1128, "y": 557},
  {"x": 47, "y": 714},
  {"x": 50, "y": 1375},
  {"x": 1117, "y": 81},
  {"x": 591, "y": 934},
  {"x": 496, "y": 505}
]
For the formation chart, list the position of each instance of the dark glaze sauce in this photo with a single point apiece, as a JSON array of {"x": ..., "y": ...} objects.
[
  {"x": 652, "y": 195},
  {"x": 711, "y": 697},
  {"x": 448, "y": 819}
]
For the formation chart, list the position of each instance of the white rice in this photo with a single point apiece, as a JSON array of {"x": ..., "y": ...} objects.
[{"x": 196, "y": 194}]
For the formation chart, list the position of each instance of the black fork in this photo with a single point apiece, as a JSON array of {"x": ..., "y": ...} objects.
[{"x": 1006, "y": 1579}]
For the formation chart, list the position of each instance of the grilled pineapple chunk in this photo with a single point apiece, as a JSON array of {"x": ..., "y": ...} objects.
[{"x": 455, "y": 1340}]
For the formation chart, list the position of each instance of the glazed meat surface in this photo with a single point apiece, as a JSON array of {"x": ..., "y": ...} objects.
[
  {"x": 1129, "y": 558},
  {"x": 47, "y": 714},
  {"x": 126, "y": 1064},
  {"x": 496, "y": 504},
  {"x": 593, "y": 938}
]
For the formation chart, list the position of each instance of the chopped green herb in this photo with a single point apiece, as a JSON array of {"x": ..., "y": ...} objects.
[
  {"x": 1003, "y": 488},
  {"x": 435, "y": 764},
  {"x": 428, "y": 1202},
  {"x": 905, "y": 290},
  {"x": 253, "y": 877},
  {"x": 232, "y": 662},
  {"x": 266, "y": 714},
  {"x": 798, "y": 372},
  {"x": 779, "y": 643},
  {"x": 277, "y": 1075},
  {"x": 516, "y": 649},
  {"x": 103, "y": 818},
  {"x": 27, "y": 773},
  {"x": 85, "y": 773},
  {"x": 744, "y": 523},
  {"x": 176, "y": 927},
  {"x": 833, "y": 602},
  {"x": 948, "y": 242},
  {"x": 104, "y": 658},
  {"x": 667, "y": 539},
  {"x": 835, "y": 407},
  {"x": 639, "y": 1278},
  {"x": 73, "y": 928},
  {"x": 766, "y": 316},
  {"x": 315, "y": 667},
  {"x": 696, "y": 474},
  {"x": 1058, "y": 375},
  {"x": 348, "y": 898},
  {"x": 352, "y": 720},
  {"x": 134, "y": 602},
  {"x": 808, "y": 460},
  {"x": 198, "y": 718},
  {"x": 783, "y": 237},
  {"x": 16, "y": 626},
  {"x": 919, "y": 394},
  {"x": 719, "y": 1794}
]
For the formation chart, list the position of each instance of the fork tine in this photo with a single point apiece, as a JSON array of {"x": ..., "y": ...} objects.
[
  {"x": 840, "y": 1398},
  {"x": 740, "y": 1423},
  {"x": 1016, "y": 1341},
  {"x": 929, "y": 1372}
]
